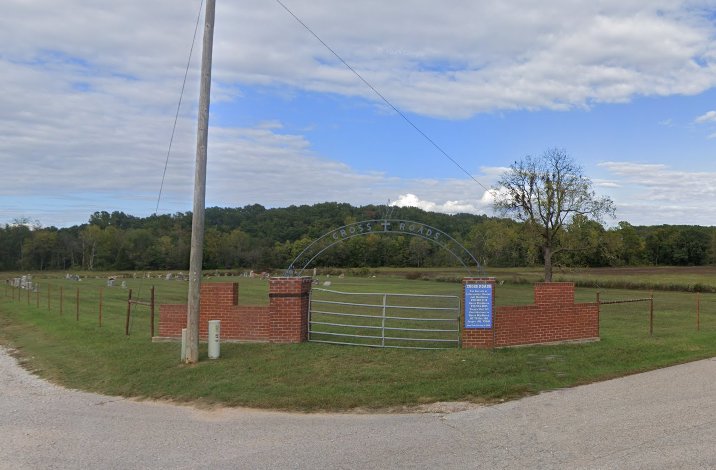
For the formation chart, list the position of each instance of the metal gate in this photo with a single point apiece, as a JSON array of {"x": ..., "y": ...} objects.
[{"x": 382, "y": 320}]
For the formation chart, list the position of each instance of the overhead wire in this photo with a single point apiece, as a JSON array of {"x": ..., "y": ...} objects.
[
  {"x": 381, "y": 96},
  {"x": 181, "y": 97},
  {"x": 174, "y": 127}
]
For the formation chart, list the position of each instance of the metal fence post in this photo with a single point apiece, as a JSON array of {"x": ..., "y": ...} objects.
[
  {"x": 310, "y": 308},
  {"x": 382, "y": 326}
]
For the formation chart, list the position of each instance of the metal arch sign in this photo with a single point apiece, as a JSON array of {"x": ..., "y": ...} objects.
[{"x": 383, "y": 226}]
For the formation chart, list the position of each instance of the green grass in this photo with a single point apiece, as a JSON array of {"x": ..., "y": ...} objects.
[
  {"x": 691, "y": 278},
  {"x": 312, "y": 377}
]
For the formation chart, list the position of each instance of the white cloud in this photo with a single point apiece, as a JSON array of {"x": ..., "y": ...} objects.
[
  {"x": 430, "y": 59},
  {"x": 446, "y": 206},
  {"x": 494, "y": 172},
  {"x": 246, "y": 165},
  {"x": 88, "y": 99},
  {"x": 606, "y": 184},
  {"x": 488, "y": 197},
  {"x": 652, "y": 194},
  {"x": 708, "y": 117},
  {"x": 512, "y": 55}
]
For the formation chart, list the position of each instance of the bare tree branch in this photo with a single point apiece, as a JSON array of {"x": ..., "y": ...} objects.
[{"x": 546, "y": 193}]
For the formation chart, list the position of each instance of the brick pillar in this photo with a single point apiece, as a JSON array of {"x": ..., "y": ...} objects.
[
  {"x": 288, "y": 301},
  {"x": 554, "y": 294},
  {"x": 478, "y": 335},
  {"x": 219, "y": 295},
  {"x": 216, "y": 301}
]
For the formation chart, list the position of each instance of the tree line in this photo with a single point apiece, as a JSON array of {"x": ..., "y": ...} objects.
[{"x": 254, "y": 237}]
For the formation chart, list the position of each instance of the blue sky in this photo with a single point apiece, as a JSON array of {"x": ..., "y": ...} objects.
[{"x": 90, "y": 90}]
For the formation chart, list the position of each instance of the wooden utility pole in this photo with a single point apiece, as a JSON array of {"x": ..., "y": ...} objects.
[{"x": 197, "y": 224}]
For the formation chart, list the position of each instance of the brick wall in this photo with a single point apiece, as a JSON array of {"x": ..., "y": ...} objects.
[
  {"x": 285, "y": 320},
  {"x": 288, "y": 298},
  {"x": 554, "y": 317}
]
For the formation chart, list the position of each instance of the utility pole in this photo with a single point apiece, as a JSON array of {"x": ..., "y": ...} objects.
[{"x": 197, "y": 223}]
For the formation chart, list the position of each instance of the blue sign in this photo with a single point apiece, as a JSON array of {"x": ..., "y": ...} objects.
[{"x": 478, "y": 305}]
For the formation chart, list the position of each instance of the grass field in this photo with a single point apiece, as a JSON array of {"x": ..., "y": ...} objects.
[
  {"x": 692, "y": 278},
  {"x": 81, "y": 354}
]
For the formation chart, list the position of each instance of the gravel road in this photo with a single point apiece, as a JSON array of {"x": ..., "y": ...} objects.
[{"x": 661, "y": 419}]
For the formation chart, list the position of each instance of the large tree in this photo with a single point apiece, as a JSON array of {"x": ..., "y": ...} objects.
[{"x": 546, "y": 193}]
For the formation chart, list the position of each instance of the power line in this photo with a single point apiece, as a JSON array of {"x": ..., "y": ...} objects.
[
  {"x": 181, "y": 97},
  {"x": 174, "y": 127},
  {"x": 381, "y": 96}
]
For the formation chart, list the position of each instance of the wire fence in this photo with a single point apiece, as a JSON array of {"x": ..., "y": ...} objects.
[
  {"x": 657, "y": 313},
  {"x": 106, "y": 307},
  {"x": 94, "y": 304}
]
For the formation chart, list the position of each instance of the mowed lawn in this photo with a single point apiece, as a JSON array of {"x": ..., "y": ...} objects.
[{"x": 71, "y": 348}]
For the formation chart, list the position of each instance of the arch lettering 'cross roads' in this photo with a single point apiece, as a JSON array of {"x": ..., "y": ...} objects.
[{"x": 383, "y": 226}]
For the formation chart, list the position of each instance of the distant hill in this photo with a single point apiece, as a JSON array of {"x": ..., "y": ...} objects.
[{"x": 254, "y": 237}]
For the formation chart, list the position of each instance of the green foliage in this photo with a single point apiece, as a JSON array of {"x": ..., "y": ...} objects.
[{"x": 261, "y": 239}]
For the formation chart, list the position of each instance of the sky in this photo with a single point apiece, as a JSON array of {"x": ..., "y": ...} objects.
[{"x": 89, "y": 91}]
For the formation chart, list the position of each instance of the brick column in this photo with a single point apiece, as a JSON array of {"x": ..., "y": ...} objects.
[
  {"x": 554, "y": 293},
  {"x": 217, "y": 301},
  {"x": 288, "y": 300},
  {"x": 477, "y": 338}
]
